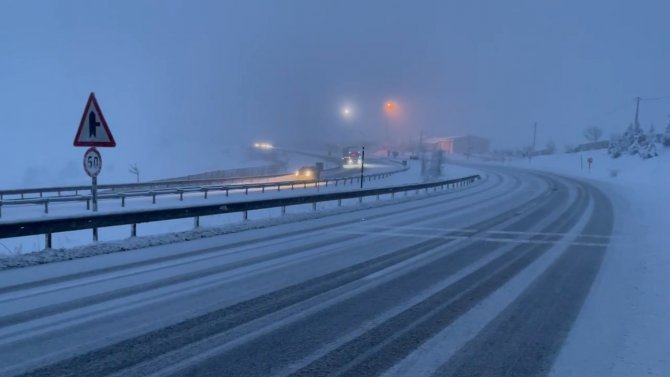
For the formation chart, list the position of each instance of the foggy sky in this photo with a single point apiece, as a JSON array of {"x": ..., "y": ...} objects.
[{"x": 181, "y": 81}]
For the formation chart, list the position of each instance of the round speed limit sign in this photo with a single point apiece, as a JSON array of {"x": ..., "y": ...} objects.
[{"x": 92, "y": 162}]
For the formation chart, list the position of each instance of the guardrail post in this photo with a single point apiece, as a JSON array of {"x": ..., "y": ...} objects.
[
  {"x": 133, "y": 230},
  {"x": 196, "y": 222},
  {"x": 292, "y": 184},
  {"x": 226, "y": 192},
  {"x": 205, "y": 190},
  {"x": 336, "y": 182},
  {"x": 339, "y": 202},
  {"x": 123, "y": 200},
  {"x": 314, "y": 206},
  {"x": 326, "y": 183},
  {"x": 95, "y": 234},
  {"x": 360, "y": 199},
  {"x": 46, "y": 206},
  {"x": 283, "y": 210},
  {"x": 304, "y": 185},
  {"x": 393, "y": 195},
  {"x": 47, "y": 241},
  {"x": 76, "y": 191},
  {"x": 41, "y": 194},
  {"x": 246, "y": 190},
  {"x": 181, "y": 195},
  {"x": 262, "y": 189},
  {"x": 58, "y": 193},
  {"x": 245, "y": 215},
  {"x": 0, "y": 207},
  {"x": 279, "y": 187},
  {"x": 153, "y": 198},
  {"x": 88, "y": 204},
  {"x": 377, "y": 197}
]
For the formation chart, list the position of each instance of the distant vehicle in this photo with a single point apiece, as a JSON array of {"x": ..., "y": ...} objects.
[
  {"x": 307, "y": 172},
  {"x": 351, "y": 156}
]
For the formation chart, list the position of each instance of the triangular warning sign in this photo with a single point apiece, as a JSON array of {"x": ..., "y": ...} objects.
[{"x": 93, "y": 130}]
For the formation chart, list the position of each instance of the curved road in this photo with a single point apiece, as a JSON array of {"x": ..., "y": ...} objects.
[{"x": 482, "y": 281}]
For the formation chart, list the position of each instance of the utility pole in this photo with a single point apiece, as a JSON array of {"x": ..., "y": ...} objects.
[
  {"x": 362, "y": 165},
  {"x": 532, "y": 151},
  {"x": 637, "y": 111}
]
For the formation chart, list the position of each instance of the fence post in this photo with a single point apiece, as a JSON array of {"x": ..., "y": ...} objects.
[
  {"x": 206, "y": 191},
  {"x": 95, "y": 234},
  {"x": 279, "y": 187},
  {"x": 181, "y": 195},
  {"x": 196, "y": 222},
  {"x": 133, "y": 230},
  {"x": 46, "y": 206},
  {"x": 246, "y": 190},
  {"x": 153, "y": 195},
  {"x": 245, "y": 215},
  {"x": 88, "y": 204},
  {"x": 262, "y": 189},
  {"x": 283, "y": 210},
  {"x": 226, "y": 192},
  {"x": 47, "y": 241},
  {"x": 314, "y": 206},
  {"x": 123, "y": 200}
]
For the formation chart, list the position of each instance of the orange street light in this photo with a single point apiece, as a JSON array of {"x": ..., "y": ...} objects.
[{"x": 391, "y": 108}]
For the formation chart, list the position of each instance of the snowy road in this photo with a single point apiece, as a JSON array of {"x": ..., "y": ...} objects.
[{"x": 479, "y": 282}]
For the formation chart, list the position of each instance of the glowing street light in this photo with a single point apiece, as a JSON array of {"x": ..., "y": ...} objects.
[
  {"x": 390, "y": 107},
  {"x": 347, "y": 112}
]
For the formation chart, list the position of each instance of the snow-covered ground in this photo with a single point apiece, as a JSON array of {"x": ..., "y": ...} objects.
[
  {"x": 624, "y": 327},
  {"x": 12, "y": 248}
]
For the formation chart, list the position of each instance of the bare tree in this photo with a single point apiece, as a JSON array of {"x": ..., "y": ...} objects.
[
  {"x": 135, "y": 171},
  {"x": 593, "y": 133}
]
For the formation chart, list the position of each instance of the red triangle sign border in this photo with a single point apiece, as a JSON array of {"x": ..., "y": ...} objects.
[{"x": 103, "y": 124}]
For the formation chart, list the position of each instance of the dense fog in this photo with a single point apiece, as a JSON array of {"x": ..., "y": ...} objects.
[{"x": 188, "y": 86}]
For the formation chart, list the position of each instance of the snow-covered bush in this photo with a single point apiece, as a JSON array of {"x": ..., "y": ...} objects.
[{"x": 634, "y": 142}]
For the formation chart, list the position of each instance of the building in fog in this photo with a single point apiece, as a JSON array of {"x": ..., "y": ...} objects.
[{"x": 459, "y": 144}]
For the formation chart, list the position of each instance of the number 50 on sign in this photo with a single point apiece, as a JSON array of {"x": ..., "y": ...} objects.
[{"x": 92, "y": 162}]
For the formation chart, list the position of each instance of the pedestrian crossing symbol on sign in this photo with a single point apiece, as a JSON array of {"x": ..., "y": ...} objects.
[{"x": 93, "y": 130}]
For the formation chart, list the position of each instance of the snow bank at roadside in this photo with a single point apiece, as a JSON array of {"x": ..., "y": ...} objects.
[{"x": 624, "y": 327}]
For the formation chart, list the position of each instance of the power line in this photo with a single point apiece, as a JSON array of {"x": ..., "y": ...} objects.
[{"x": 655, "y": 98}]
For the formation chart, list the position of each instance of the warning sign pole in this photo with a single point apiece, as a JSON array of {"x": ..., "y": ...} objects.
[
  {"x": 93, "y": 132},
  {"x": 94, "y": 193}
]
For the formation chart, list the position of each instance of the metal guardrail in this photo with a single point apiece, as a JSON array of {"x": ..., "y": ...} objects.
[
  {"x": 59, "y": 190},
  {"x": 45, "y": 201},
  {"x": 49, "y": 226}
]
